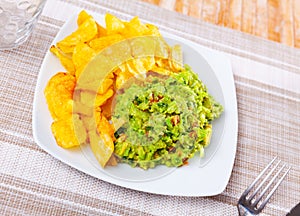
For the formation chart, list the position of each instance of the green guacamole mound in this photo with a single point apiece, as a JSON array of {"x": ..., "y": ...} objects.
[{"x": 163, "y": 120}]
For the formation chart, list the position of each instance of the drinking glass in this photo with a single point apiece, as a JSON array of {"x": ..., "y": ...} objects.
[{"x": 17, "y": 20}]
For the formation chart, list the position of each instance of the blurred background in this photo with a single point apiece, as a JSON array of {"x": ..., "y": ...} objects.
[{"x": 276, "y": 20}]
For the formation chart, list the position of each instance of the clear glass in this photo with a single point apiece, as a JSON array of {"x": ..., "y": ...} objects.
[{"x": 17, "y": 19}]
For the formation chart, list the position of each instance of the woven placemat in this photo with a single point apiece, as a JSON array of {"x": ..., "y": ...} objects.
[{"x": 267, "y": 77}]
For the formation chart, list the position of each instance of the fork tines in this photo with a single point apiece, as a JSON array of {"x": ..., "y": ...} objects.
[{"x": 255, "y": 197}]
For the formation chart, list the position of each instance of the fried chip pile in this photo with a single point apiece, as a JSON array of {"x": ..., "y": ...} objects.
[{"x": 75, "y": 52}]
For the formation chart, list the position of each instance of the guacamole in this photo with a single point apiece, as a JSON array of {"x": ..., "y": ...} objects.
[{"x": 163, "y": 120}]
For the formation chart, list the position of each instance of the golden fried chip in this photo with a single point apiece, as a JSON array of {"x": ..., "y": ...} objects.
[
  {"x": 134, "y": 28},
  {"x": 113, "y": 24},
  {"x": 129, "y": 66},
  {"x": 122, "y": 77},
  {"x": 136, "y": 24},
  {"x": 101, "y": 30},
  {"x": 110, "y": 76},
  {"x": 103, "y": 125},
  {"x": 87, "y": 99},
  {"x": 102, "y": 98},
  {"x": 79, "y": 71},
  {"x": 161, "y": 62},
  {"x": 162, "y": 71},
  {"x": 102, "y": 146},
  {"x": 139, "y": 66},
  {"x": 152, "y": 30},
  {"x": 89, "y": 123},
  {"x": 106, "y": 84},
  {"x": 82, "y": 55},
  {"x": 102, "y": 42},
  {"x": 82, "y": 17},
  {"x": 149, "y": 62},
  {"x": 85, "y": 32},
  {"x": 176, "y": 59},
  {"x": 65, "y": 60},
  {"x": 59, "y": 94},
  {"x": 64, "y": 132},
  {"x": 106, "y": 108},
  {"x": 162, "y": 49}
]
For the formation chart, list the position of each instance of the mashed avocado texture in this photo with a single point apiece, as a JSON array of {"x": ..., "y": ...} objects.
[{"x": 163, "y": 120}]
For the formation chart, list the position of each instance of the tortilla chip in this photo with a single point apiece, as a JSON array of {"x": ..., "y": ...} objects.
[
  {"x": 101, "y": 30},
  {"x": 152, "y": 30},
  {"x": 148, "y": 62},
  {"x": 103, "y": 125},
  {"x": 134, "y": 28},
  {"x": 113, "y": 24},
  {"x": 82, "y": 55},
  {"x": 59, "y": 95},
  {"x": 106, "y": 108},
  {"x": 102, "y": 146},
  {"x": 122, "y": 77},
  {"x": 82, "y": 17},
  {"x": 102, "y": 98},
  {"x": 106, "y": 84},
  {"x": 176, "y": 58},
  {"x": 85, "y": 32},
  {"x": 162, "y": 70},
  {"x": 64, "y": 132},
  {"x": 102, "y": 42},
  {"x": 65, "y": 60}
]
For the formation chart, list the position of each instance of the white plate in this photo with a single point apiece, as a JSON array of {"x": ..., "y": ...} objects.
[{"x": 206, "y": 177}]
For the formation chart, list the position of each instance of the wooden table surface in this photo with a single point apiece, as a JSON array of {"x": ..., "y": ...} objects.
[{"x": 277, "y": 20}]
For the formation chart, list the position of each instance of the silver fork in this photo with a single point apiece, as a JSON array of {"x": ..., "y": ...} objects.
[{"x": 254, "y": 199}]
